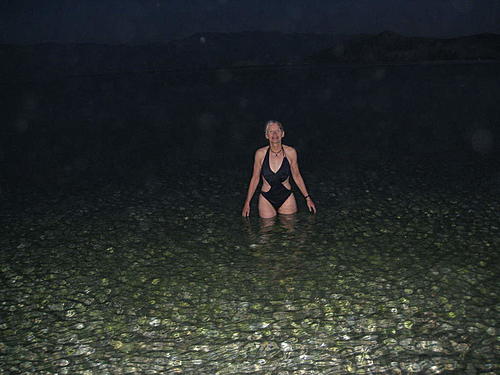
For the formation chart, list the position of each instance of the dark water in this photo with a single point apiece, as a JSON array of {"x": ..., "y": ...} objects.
[
  {"x": 117, "y": 267},
  {"x": 114, "y": 126}
]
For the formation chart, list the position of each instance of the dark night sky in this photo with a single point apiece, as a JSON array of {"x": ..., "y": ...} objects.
[{"x": 140, "y": 21}]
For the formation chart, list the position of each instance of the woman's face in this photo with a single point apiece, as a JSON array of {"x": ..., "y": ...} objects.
[{"x": 274, "y": 133}]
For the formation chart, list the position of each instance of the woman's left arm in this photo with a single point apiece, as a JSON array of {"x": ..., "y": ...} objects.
[{"x": 299, "y": 181}]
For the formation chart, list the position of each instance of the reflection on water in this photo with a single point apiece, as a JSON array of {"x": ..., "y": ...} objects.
[
  {"x": 295, "y": 225},
  {"x": 279, "y": 243}
]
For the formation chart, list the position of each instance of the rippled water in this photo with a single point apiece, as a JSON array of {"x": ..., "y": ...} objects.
[{"x": 397, "y": 273}]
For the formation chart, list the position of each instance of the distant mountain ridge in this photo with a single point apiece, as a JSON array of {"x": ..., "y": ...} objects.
[
  {"x": 390, "y": 47},
  {"x": 213, "y": 50}
]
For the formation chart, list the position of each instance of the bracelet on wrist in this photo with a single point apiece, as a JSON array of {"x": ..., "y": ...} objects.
[{"x": 307, "y": 196}]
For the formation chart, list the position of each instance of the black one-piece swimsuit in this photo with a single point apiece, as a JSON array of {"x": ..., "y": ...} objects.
[{"x": 278, "y": 193}]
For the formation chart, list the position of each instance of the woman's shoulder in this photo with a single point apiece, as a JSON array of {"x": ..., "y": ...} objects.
[
  {"x": 290, "y": 150},
  {"x": 261, "y": 152}
]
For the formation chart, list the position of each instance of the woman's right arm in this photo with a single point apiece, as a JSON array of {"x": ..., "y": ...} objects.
[{"x": 254, "y": 182}]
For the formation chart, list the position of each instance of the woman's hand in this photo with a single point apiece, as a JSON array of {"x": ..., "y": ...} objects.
[
  {"x": 310, "y": 205},
  {"x": 246, "y": 210}
]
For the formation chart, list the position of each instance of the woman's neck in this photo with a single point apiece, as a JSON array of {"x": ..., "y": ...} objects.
[{"x": 275, "y": 147}]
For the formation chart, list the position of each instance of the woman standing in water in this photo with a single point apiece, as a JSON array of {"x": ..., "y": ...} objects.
[{"x": 276, "y": 163}]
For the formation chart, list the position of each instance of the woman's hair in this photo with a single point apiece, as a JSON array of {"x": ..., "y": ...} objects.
[{"x": 270, "y": 122}]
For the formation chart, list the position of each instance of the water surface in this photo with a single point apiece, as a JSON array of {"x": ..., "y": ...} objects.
[{"x": 397, "y": 273}]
